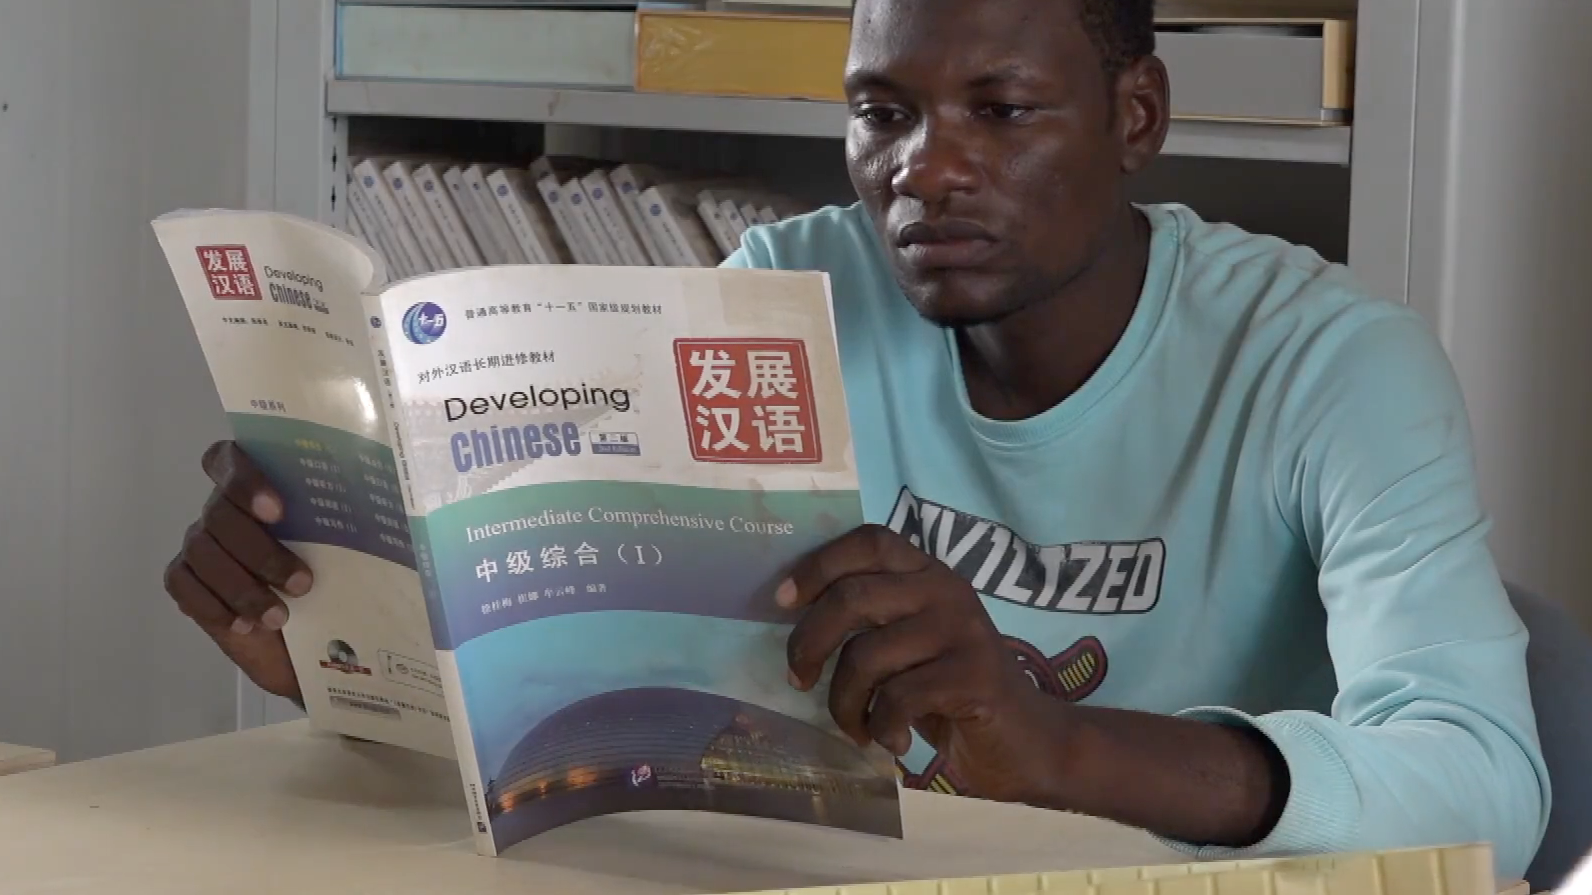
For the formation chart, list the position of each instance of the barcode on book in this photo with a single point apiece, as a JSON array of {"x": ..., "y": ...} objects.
[{"x": 363, "y": 705}]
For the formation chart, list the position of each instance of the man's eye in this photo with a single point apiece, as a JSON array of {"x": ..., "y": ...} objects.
[
  {"x": 876, "y": 115},
  {"x": 1007, "y": 111}
]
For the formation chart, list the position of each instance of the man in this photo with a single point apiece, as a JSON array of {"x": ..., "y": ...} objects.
[{"x": 1124, "y": 464}]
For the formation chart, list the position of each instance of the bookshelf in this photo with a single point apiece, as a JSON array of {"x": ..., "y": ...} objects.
[
  {"x": 357, "y": 97},
  {"x": 1348, "y": 188},
  {"x": 303, "y": 117}
]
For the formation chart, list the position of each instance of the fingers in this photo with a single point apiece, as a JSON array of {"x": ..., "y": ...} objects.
[
  {"x": 870, "y": 549},
  {"x": 230, "y": 568},
  {"x": 852, "y": 604},
  {"x": 905, "y": 700},
  {"x": 870, "y": 659},
  {"x": 241, "y": 482},
  {"x": 246, "y": 541},
  {"x": 196, "y": 600},
  {"x": 902, "y": 624},
  {"x": 244, "y": 594}
]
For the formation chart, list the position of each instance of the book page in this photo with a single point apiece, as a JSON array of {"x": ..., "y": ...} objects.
[
  {"x": 612, "y": 471},
  {"x": 276, "y": 305}
]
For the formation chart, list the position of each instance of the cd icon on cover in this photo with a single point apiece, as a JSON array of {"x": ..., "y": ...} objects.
[
  {"x": 425, "y": 323},
  {"x": 341, "y": 657},
  {"x": 340, "y": 653}
]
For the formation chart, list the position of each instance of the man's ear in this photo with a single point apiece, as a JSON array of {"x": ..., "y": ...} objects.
[{"x": 1144, "y": 111}]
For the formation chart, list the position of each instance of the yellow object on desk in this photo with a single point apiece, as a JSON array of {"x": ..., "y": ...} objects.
[
  {"x": 282, "y": 809},
  {"x": 17, "y": 759},
  {"x": 1460, "y": 870}
]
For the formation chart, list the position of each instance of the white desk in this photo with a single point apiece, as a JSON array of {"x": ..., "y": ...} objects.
[{"x": 281, "y": 810}]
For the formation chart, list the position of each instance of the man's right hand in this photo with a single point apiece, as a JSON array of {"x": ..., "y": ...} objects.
[{"x": 231, "y": 574}]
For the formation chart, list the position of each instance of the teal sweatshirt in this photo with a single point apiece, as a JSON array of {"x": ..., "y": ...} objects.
[{"x": 1261, "y": 510}]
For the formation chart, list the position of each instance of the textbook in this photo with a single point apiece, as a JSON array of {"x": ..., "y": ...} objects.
[{"x": 547, "y": 507}]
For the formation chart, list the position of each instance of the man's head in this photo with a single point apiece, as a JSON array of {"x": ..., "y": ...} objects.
[{"x": 990, "y": 139}]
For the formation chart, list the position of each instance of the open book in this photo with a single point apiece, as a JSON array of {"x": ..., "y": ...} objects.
[{"x": 546, "y": 508}]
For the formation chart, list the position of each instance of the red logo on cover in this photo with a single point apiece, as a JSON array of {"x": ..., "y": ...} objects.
[
  {"x": 748, "y": 400},
  {"x": 230, "y": 273}
]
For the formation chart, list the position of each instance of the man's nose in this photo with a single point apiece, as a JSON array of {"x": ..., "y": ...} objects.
[{"x": 936, "y": 162}]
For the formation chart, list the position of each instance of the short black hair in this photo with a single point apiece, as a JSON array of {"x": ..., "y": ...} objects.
[{"x": 1123, "y": 31}]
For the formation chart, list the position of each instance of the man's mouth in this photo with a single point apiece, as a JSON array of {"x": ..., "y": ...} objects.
[{"x": 945, "y": 245}]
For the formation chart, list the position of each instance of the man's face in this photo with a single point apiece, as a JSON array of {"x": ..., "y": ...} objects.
[{"x": 984, "y": 145}]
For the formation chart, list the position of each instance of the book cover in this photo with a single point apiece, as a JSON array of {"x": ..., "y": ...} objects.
[
  {"x": 274, "y": 302},
  {"x": 547, "y": 507},
  {"x": 613, "y": 468}
]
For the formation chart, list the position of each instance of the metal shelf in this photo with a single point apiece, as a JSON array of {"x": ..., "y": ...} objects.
[{"x": 792, "y": 118}]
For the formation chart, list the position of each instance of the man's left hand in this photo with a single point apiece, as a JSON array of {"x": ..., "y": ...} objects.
[{"x": 917, "y": 650}]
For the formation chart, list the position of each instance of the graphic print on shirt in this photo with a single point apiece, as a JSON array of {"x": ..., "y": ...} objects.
[{"x": 1086, "y": 577}]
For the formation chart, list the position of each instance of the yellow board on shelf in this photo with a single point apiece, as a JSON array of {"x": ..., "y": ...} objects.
[
  {"x": 1456, "y": 870},
  {"x": 741, "y": 54},
  {"x": 790, "y": 56}
]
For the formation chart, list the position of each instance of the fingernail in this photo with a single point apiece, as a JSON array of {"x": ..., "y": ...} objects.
[
  {"x": 242, "y": 626},
  {"x": 786, "y": 595},
  {"x": 795, "y": 681},
  {"x": 274, "y": 618},
  {"x": 266, "y": 508},
  {"x": 298, "y": 584}
]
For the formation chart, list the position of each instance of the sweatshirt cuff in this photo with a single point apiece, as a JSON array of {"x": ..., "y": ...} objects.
[{"x": 1323, "y": 809}]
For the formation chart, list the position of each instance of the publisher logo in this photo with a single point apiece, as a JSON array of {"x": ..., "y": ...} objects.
[{"x": 425, "y": 323}]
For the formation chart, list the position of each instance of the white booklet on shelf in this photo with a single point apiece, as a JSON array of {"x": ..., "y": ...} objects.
[{"x": 546, "y": 508}]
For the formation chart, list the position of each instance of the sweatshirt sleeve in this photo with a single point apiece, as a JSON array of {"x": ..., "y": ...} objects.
[
  {"x": 742, "y": 257},
  {"x": 1432, "y": 739}
]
